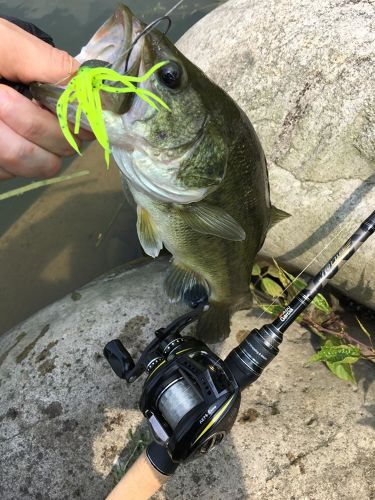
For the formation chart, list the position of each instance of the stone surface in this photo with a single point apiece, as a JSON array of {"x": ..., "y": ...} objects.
[
  {"x": 65, "y": 417},
  {"x": 304, "y": 73}
]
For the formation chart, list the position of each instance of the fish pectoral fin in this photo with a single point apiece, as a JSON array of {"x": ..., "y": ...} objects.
[
  {"x": 183, "y": 284},
  {"x": 147, "y": 233},
  {"x": 208, "y": 219},
  {"x": 277, "y": 215}
]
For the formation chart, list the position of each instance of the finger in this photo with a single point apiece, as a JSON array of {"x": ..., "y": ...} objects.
[
  {"x": 83, "y": 134},
  {"x": 31, "y": 59},
  {"x": 32, "y": 122},
  {"x": 20, "y": 157},
  {"x": 4, "y": 175},
  {"x": 10, "y": 25}
]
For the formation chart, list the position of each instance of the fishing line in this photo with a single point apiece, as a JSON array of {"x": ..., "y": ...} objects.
[
  {"x": 146, "y": 30},
  {"x": 174, "y": 7},
  {"x": 306, "y": 267},
  {"x": 177, "y": 399},
  {"x": 128, "y": 51}
]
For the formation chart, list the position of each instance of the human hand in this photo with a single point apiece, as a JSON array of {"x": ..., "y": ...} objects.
[{"x": 31, "y": 142}]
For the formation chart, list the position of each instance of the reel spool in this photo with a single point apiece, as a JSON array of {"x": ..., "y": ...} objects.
[
  {"x": 177, "y": 399},
  {"x": 190, "y": 398}
]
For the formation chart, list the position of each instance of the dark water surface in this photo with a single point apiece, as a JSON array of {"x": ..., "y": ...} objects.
[
  {"x": 47, "y": 237},
  {"x": 72, "y": 22}
]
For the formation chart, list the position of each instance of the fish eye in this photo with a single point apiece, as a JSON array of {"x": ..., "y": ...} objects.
[{"x": 170, "y": 75}]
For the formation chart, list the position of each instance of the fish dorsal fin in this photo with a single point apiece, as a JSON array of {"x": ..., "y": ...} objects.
[
  {"x": 147, "y": 233},
  {"x": 182, "y": 283},
  {"x": 208, "y": 219},
  {"x": 277, "y": 215}
]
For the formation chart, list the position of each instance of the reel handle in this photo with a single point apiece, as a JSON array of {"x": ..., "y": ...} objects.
[{"x": 119, "y": 358}]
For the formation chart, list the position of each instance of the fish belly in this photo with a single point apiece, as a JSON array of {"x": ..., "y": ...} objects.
[{"x": 225, "y": 265}]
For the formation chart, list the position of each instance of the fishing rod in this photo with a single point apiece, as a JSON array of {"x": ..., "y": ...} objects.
[{"x": 191, "y": 397}]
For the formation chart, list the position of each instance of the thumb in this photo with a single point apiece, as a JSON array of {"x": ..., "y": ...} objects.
[{"x": 26, "y": 58}]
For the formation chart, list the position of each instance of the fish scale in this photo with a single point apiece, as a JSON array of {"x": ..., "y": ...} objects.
[{"x": 197, "y": 172}]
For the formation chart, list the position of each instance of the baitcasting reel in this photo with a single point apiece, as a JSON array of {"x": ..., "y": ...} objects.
[{"x": 191, "y": 397}]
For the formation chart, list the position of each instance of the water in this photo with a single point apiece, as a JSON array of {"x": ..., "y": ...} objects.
[
  {"x": 47, "y": 237},
  {"x": 71, "y": 23}
]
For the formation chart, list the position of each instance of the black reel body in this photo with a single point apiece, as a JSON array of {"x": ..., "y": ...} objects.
[{"x": 190, "y": 398}]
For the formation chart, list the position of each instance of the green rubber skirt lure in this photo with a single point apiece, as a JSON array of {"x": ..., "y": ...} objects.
[{"x": 84, "y": 90}]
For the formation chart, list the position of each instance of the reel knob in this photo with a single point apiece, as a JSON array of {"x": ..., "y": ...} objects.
[{"x": 119, "y": 358}]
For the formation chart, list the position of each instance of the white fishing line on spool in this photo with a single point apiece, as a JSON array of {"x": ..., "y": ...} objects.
[{"x": 176, "y": 400}]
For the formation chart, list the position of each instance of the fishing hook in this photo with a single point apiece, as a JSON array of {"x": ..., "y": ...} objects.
[{"x": 147, "y": 30}]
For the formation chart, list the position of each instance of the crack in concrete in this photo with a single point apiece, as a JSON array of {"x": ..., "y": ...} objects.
[
  {"x": 26, "y": 427},
  {"x": 329, "y": 182},
  {"x": 298, "y": 458},
  {"x": 22, "y": 431}
]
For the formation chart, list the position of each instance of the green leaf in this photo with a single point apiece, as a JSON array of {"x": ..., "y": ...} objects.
[
  {"x": 273, "y": 309},
  {"x": 273, "y": 271},
  {"x": 320, "y": 302},
  {"x": 339, "y": 358},
  {"x": 343, "y": 371},
  {"x": 271, "y": 287},
  {"x": 336, "y": 353},
  {"x": 365, "y": 331},
  {"x": 281, "y": 275},
  {"x": 256, "y": 270},
  {"x": 298, "y": 283}
]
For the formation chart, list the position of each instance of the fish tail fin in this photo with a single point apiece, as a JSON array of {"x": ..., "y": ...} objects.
[
  {"x": 214, "y": 324},
  {"x": 245, "y": 302},
  {"x": 277, "y": 215}
]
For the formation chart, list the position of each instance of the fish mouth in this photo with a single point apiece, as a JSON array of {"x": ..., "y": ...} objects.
[{"x": 112, "y": 44}]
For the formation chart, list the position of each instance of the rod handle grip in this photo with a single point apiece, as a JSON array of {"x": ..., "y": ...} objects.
[{"x": 140, "y": 482}]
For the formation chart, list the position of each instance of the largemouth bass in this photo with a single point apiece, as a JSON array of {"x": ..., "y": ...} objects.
[{"x": 197, "y": 173}]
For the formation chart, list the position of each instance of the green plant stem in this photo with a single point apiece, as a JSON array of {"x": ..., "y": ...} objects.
[
  {"x": 39, "y": 184},
  {"x": 138, "y": 444},
  {"x": 365, "y": 351}
]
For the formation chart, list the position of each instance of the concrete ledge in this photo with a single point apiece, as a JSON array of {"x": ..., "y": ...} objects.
[
  {"x": 303, "y": 72},
  {"x": 65, "y": 417}
]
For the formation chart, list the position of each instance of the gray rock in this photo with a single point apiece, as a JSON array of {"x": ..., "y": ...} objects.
[
  {"x": 65, "y": 417},
  {"x": 304, "y": 72}
]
